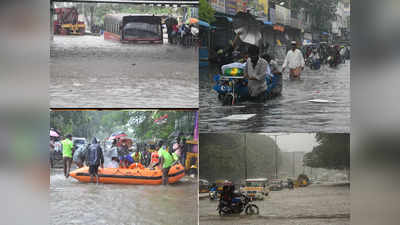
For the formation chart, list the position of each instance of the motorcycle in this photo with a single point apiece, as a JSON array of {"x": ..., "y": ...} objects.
[
  {"x": 213, "y": 195},
  {"x": 238, "y": 205},
  {"x": 333, "y": 62}
]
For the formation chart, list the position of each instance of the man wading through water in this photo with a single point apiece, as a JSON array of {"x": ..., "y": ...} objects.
[
  {"x": 256, "y": 72},
  {"x": 166, "y": 161},
  {"x": 295, "y": 61},
  {"x": 67, "y": 151},
  {"x": 94, "y": 158}
]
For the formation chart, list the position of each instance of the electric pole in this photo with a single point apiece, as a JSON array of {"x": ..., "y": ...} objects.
[
  {"x": 245, "y": 157},
  {"x": 276, "y": 156},
  {"x": 293, "y": 164}
]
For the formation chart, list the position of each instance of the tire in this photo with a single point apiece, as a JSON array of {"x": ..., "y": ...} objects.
[
  {"x": 211, "y": 197},
  {"x": 221, "y": 212},
  {"x": 252, "y": 209}
]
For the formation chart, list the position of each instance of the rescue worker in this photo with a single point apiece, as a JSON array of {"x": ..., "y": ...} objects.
[
  {"x": 166, "y": 161},
  {"x": 137, "y": 157},
  {"x": 94, "y": 159},
  {"x": 67, "y": 151}
]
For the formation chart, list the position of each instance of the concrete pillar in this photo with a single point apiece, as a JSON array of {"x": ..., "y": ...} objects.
[{"x": 51, "y": 20}]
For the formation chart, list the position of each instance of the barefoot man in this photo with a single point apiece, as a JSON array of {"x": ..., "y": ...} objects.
[{"x": 294, "y": 60}]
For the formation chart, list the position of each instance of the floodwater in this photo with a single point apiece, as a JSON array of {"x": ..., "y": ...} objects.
[
  {"x": 290, "y": 112},
  {"x": 88, "y": 71},
  {"x": 72, "y": 202},
  {"x": 313, "y": 205}
]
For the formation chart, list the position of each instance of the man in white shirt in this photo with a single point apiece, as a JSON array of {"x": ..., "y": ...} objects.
[
  {"x": 295, "y": 61},
  {"x": 256, "y": 72}
]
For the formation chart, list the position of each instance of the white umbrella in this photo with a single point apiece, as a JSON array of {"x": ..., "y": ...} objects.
[
  {"x": 248, "y": 28},
  {"x": 53, "y": 134}
]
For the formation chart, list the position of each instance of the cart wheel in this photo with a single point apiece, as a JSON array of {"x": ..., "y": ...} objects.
[
  {"x": 227, "y": 100},
  {"x": 252, "y": 209}
]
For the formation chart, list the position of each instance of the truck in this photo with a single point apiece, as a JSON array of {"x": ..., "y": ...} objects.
[{"x": 66, "y": 22}]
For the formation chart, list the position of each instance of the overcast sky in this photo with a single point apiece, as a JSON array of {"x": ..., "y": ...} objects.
[{"x": 296, "y": 142}]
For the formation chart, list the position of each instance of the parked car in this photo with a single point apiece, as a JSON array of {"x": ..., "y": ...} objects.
[
  {"x": 204, "y": 186},
  {"x": 79, "y": 141}
]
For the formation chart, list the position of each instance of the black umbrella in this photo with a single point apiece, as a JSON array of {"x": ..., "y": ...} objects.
[{"x": 248, "y": 28}]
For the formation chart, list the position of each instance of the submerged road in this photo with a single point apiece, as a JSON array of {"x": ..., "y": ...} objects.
[
  {"x": 290, "y": 112},
  {"x": 72, "y": 202},
  {"x": 313, "y": 205},
  {"x": 87, "y": 71}
]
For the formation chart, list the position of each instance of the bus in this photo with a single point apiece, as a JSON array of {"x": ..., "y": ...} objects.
[
  {"x": 256, "y": 188},
  {"x": 127, "y": 28}
]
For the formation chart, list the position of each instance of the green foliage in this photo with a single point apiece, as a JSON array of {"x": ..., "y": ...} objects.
[
  {"x": 206, "y": 12},
  {"x": 333, "y": 152},
  {"x": 322, "y": 12}
]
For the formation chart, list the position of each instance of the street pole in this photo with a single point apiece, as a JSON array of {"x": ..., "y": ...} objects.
[
  {"x": 276, "y": 157},
  {"x": 245, "y": 157},
  {"x": 293, "y": 164}
]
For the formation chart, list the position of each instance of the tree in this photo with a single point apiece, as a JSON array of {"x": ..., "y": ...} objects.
[
  {"x": 322, "y": 12},
  {"x": 206, "y": 12},
  {"x": 332, "y": 152}
]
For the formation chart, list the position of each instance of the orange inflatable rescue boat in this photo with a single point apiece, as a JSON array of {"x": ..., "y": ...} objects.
[{"x": 135, "y": 174}]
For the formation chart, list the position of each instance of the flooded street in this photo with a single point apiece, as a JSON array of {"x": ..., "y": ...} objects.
[
  {"x": 290, "y": 112},
  {"x": 72, "y": 202},
  {"x": 87, "y": 71},
  {"x": 313, "y": 205}
]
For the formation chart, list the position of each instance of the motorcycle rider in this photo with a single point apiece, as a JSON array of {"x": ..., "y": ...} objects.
[
  {"x": 228, "y": 194},
  {"x": 314, "y": 56}
]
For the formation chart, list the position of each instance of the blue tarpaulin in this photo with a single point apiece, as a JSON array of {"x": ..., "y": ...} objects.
[{"x": 204, "y": 24}]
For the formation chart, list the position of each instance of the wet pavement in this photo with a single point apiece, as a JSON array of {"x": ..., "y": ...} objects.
[
  {"x": 313, "y": 205},
  {"x": 290, "y": 112},
  {"x": 87, "y": 71},
  {"x": 72, "y": 202}
]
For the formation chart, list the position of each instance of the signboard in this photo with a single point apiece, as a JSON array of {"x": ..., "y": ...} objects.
[
  {"x": 272, "y": 15},
  {"x": 280, "y": 28},
  {"x": 308, "y": 36},
  {"x": 264, "y": 5},
  {"x": 218, "y": 5},
  {"x": 282, "y": 15},
  {"x": 230, "y": 7},
  {"x": 241, "y": 5}
]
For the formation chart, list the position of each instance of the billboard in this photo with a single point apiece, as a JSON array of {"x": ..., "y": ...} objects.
[
  {"x": 272, "y": 15},
  {"x": 218, "y": 5},
  {"x": 241, "y": 5},
  {"x": 264, "y": 5},
  {"x": 230, "y": 7},
  {"x": 282, "y": 15}
]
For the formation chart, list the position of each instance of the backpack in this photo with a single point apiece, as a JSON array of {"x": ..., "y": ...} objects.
[{"x": 92, "y": 155}]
